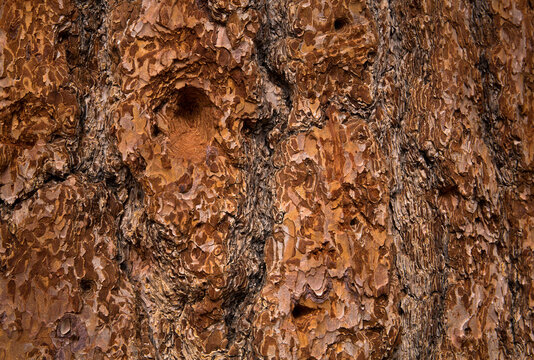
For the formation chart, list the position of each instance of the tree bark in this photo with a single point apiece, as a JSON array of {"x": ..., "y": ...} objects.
[{"x": 254, "y": 179}]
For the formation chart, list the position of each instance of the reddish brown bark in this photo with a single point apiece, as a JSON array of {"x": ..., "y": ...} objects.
[{"x": 266, "y": 179}]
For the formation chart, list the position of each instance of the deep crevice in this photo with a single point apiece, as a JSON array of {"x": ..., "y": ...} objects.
[{"x": 300, "y": 311}]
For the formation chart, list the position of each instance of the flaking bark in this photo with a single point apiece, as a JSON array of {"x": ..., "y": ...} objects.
[{"x": 266, "y": 179}]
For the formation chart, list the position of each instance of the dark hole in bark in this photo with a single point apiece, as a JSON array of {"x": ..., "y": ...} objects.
[
  {"x": 340, "y": 23},
  {"x": 156, "y": 130},
  {"x": 86, "y": 284},
  {"x": 189, "y": 103},
  {"x": 63, "y": 35},
  {"x": 301, "y": 310},
  {"x": 123, "y": 266},
  {"x": 448, "y": 189}
]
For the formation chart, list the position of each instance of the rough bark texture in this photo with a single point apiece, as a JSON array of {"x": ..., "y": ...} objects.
[{"x": 266, "y": 179}]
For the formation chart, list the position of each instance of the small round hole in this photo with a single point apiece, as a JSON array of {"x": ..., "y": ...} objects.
[
  {"x": 301, "y": 310},
  {"x": 189, "y": 104},
  {"x": 86, "y": 285},
  {"x": 155, "y": 130},
  {"x": 340, "y": 23}
]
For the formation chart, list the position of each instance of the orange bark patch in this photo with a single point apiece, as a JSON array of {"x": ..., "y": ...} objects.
[{"x": 187, "y": 122}]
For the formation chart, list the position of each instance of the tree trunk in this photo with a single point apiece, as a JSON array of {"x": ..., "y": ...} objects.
[{"x": 266, "y": 179}]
